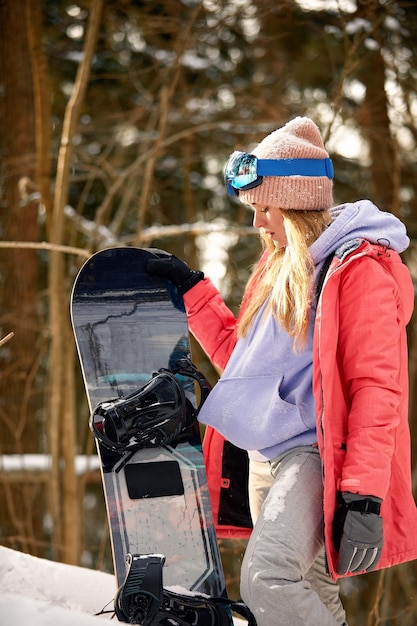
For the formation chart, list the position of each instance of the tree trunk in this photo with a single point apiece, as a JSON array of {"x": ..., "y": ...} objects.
[
  {"x": 61, "y": 406},
  {"x": 21, "y": 358},
  {"x": 375, "y": 121}
]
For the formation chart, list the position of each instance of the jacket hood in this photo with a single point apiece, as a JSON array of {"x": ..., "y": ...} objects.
[{"x": 360, "y": 220}]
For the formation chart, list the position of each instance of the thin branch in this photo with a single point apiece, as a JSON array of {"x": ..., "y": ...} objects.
[
  {"x": 148, "y": 235},
  {"x": 106, "y": 238},
  {"x": 166, "y": 95},
  {"x": 136, "y": 167},
  {"x": 71, "y": 120},
  {"x": 43, "y": 245},
  {"x": 6, "y": 339},
  {"x": 196, "y": 228}
]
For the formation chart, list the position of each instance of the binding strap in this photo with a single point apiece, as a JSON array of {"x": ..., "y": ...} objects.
[{"x": 143, "y": 600}]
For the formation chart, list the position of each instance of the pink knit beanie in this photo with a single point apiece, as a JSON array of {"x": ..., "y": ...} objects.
[{"x": 298, "y": 139}]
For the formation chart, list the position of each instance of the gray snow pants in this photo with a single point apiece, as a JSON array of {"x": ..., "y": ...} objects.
[{"x": 283, "y": 579}]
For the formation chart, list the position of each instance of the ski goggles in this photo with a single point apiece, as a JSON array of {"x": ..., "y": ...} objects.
[{"x": 244, "y": 171}]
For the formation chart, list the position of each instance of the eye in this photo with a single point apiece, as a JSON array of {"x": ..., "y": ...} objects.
[{"x": 264, "y": 210}]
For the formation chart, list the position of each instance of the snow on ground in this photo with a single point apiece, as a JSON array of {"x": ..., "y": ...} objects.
[{"x": 38, "y": 592}]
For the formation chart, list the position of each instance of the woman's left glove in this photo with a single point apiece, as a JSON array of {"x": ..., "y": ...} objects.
[
  {"x": 176, "y": 271},
  {"x": 358, "y": 533}
]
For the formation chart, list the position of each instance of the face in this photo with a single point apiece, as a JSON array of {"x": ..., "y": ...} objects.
[{"x": 271, "y": 221}]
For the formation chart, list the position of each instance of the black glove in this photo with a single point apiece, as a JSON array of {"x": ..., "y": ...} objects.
[
  {"x": 358, "y": 532},
  {"x": 176, "y": 271}
]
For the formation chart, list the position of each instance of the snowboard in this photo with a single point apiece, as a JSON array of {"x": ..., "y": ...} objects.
[{"x": 127, "y": 326}]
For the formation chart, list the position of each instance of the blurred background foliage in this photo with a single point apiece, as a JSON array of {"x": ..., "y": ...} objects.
[{"x": 116, "y": 119}]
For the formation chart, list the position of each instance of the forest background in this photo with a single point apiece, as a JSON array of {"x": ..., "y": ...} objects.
[{"x": 116, "y": 119}]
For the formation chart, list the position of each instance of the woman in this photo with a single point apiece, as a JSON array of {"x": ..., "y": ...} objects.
[{"x": 315, "y": 391}]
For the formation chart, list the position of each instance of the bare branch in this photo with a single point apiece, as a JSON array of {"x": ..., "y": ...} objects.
[
  {"x": 196, "y": 228},
  {"x": 43, "y": 245},
  {"x": 71, "y": 120},
  {"x": 105, "y": 237},
  {"x": 166, "y": 95},
  {"x": 6, "y": 339}
]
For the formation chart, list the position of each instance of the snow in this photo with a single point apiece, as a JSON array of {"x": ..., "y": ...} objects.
[
  {"x": 38, "y": 592},
  {"x": 275, "y": 502},
  {"x": 43, "y": 462}
]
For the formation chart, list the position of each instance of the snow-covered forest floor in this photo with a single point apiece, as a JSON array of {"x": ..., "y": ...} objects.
[{"x": 38, "y": 592}]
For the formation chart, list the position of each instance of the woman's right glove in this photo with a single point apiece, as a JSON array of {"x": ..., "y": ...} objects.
[
  {"x": 358, "y": 533},
  {"x": 176, "y": 271}
]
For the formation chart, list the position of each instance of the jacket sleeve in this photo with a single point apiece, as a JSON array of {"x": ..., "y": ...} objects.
[
  {"x": 211, "y": 322},
  {"x": 369, "y": 355}
]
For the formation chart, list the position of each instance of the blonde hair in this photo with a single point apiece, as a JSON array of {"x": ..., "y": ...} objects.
[{"x": 284, "y": 276}]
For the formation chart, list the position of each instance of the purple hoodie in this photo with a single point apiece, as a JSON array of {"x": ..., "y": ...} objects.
[{"x": 263, "y": 401}]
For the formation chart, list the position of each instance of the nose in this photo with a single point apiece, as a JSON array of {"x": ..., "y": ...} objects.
[{"x": 258, "y": 219}]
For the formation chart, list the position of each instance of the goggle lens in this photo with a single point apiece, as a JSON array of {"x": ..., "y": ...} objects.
[{"x": 241, "y": 170}]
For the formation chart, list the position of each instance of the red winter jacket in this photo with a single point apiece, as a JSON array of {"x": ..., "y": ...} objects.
[
  {"x": 360, "y": 385},
  {"x": 360, "y": 382}
]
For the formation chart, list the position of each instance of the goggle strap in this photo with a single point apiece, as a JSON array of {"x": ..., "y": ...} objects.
[
  {"x": 295, "y": 167},
  {"x": 230, "y": 190}
]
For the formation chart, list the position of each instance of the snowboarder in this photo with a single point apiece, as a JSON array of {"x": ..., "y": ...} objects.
[{"x": 314, "y": 386}]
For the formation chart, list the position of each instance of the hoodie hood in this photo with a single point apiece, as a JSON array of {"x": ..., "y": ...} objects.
[{"x": 360, "y": 220}]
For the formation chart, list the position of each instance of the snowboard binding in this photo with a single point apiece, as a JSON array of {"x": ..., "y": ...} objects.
[
  {"x": 154, "y": 415},
  {"x": 143, "y": 600}
]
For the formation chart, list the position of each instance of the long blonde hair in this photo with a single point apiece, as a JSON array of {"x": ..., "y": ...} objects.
[{"x": 284, "y": 276}]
